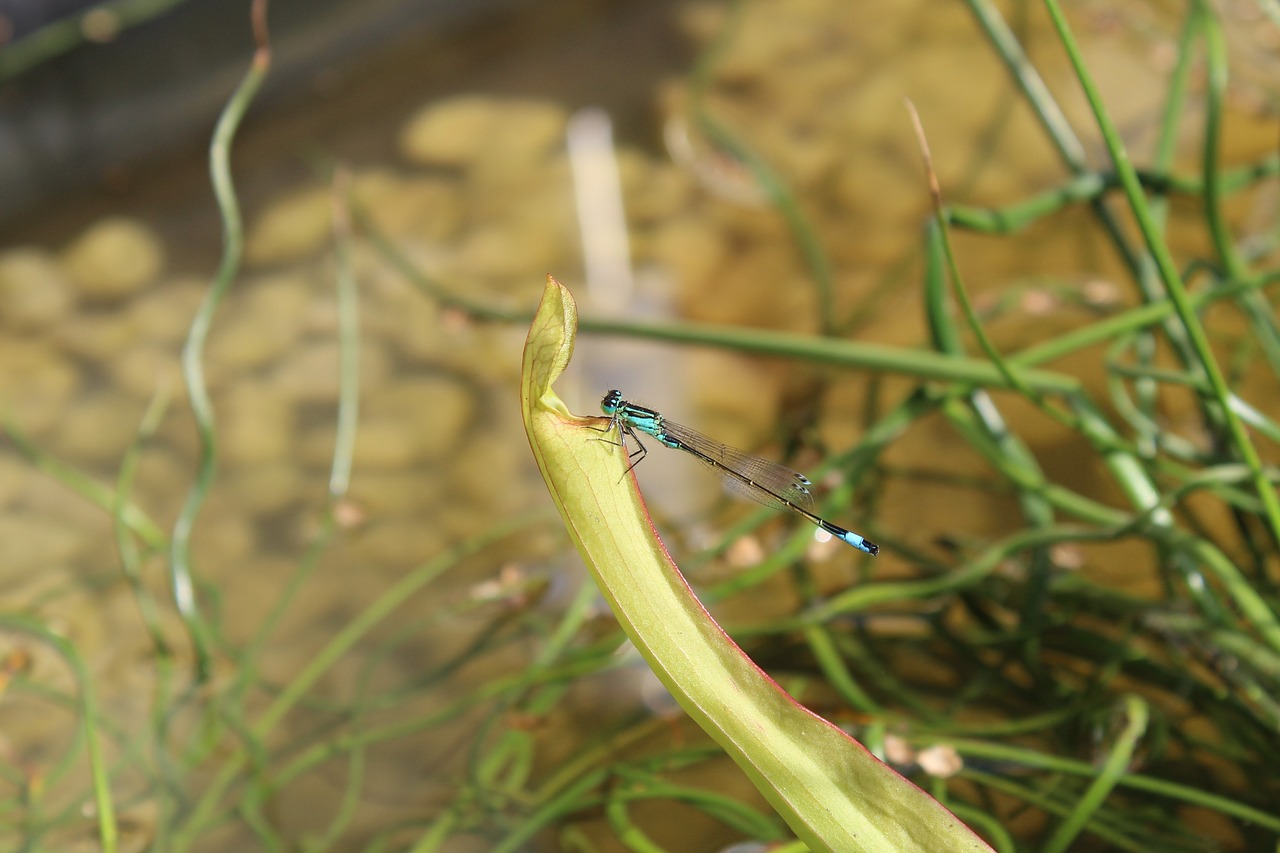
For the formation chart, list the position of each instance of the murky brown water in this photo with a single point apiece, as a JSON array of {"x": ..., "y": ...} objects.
[{"x": 458, "y": 151}]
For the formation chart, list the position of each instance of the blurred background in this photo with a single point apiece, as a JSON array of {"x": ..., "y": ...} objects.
[{"x": 739, "y": 164}]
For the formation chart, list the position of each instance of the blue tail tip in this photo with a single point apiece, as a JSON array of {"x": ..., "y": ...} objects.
[{"x": 858, "y": 542}]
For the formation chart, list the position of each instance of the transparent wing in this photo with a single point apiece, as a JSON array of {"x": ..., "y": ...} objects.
[{"x": 735, "y": 468}]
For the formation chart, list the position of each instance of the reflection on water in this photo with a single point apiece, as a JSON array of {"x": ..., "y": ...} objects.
[{"x": 475, "y": 188}]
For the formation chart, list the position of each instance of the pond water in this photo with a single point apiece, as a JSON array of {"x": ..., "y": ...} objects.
[{"x": 455, "y": 147}]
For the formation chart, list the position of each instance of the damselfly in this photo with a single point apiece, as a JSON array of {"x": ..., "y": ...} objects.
[{"x": 750, "y": 476}]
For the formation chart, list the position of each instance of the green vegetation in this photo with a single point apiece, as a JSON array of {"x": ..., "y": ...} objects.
[{"x": 1014, "y": 672}]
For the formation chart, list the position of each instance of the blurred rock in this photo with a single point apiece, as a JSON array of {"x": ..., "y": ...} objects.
[
  {"x": 34, "y": 292},
  {"x": 292, "y": 228},
  {"x": 495, "y": 135},
  {"x": 96, "y": 337},
  {"x": 423, "y": 208},
  {"x": 99, "y": 427},
  {"x": 264, "y": 321},
  {"x": 309, "y": 372},
  {"x": 113, "y": 260},
  {"x": 255, "y": 424},
  {"x": 36, "y": 384},
  {"x": 164, "y": 313}
]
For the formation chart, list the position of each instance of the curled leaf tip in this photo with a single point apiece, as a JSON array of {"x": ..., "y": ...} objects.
[{"x": 549, "y": 346}]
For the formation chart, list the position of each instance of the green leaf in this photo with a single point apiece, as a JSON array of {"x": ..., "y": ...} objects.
[{"x": 832, "y": 792}]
